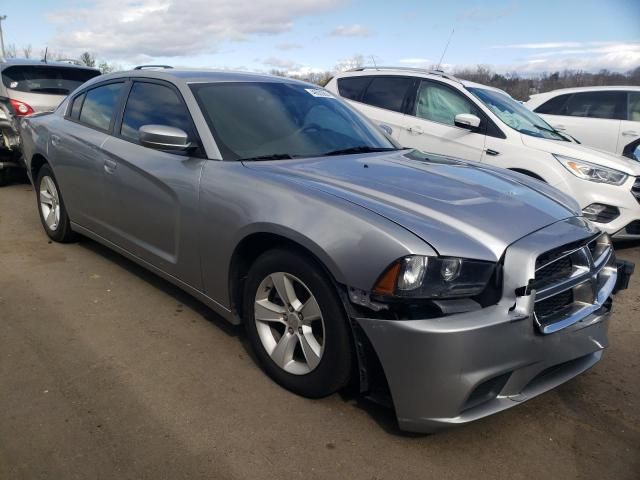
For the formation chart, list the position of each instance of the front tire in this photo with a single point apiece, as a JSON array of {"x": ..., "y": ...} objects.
[
  {"x": 53, "y": 214},
  {"x": 296, "y": 324}
]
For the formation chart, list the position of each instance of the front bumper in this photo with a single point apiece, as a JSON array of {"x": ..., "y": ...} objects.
[{"x": 452, "y": 370}]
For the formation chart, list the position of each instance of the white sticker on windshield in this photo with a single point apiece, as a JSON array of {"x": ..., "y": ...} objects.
[
  {"x": 13, "y": 84},
  {"x": 319, "y": 92}
]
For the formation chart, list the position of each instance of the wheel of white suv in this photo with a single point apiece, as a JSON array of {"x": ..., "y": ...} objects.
[
  {"x": 296, "y": 324},
  {"x": 53, "y": 213}
]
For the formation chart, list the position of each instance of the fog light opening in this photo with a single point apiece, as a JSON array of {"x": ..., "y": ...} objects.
[{"x": 598, "y": 212}]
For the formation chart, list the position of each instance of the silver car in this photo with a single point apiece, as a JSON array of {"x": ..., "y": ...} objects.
[
  {"x": 28, "y": 87},
  {"x": 452, "y": 289}
]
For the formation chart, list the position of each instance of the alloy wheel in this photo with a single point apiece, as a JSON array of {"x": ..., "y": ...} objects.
[
  {"x": 50, "y": 203},
  {"x": 289, "y": 323}
]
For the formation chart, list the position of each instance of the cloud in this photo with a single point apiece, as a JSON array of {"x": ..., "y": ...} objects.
[
  {"x": 280, "y": 63},
  {"x": 551, "y": 45},
  {"x": 289, "y": 46},
  {"x": 355, "y": 30},
  {"x": 123, "y": 29}
]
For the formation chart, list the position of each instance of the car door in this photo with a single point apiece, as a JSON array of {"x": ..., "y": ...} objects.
[
  {"x": 157, "y": 191},
  {"x": 382, "y": 99},
  {"x": 593, "y": 117},
  {"x": 629, "y": 140},
  {"x": 431, "y": 125},
  {"x": 75, "y": 145}
]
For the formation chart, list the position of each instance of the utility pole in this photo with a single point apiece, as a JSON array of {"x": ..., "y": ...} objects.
[{"x": 2, "y": 17}]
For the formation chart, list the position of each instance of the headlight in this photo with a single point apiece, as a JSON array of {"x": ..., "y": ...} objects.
[
  {"x": 591, "y": 172},
  {"x": 434, "y": 277}
]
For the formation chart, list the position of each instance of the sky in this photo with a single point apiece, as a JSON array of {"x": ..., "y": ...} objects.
[{"x": 299, "y": 36}]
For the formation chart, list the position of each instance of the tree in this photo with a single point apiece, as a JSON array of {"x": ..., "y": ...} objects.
[
  {"x": 10, "y": 51},
  {"x": 26, "y": 51},
  {"x": 88, "y": 59}
]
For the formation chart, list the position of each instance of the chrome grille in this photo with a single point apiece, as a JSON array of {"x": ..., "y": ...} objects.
[
  {"x": 635, "y": 190},
  {"x": 572, "y": 281}
]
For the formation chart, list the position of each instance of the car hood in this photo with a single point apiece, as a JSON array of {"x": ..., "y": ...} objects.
[
  {"x": 460, "y": 208},
  {"x": 582, "y": 152}
]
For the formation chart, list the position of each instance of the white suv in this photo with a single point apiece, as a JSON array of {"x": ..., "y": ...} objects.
[
  {"x": 436, "y": 112},
  {"x": 607, "y": 118}
]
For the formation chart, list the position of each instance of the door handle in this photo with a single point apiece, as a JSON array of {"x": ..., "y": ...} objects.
[
  {"x": 630, "y": 133},
  {"x": 415, "y": 130},
  {"x": 491, "y": 152},
  {"x": 55, "y": 139},
  {"x": 110, "y": 166}
]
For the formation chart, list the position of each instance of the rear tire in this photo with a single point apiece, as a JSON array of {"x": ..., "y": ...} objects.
[
  {"x": 53, "y": 214},
  {"x": 302, "y": 341}
]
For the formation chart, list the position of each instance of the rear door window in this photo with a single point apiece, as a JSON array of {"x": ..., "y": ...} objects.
[
  {"x": 554, "y": 106},
  {"x": 153, "y": 104},
  {"x": 611, "y": 105},
  {"x": 388, "y": 92},
  {"x": 45, "y": 79},
  {"x": 99, "y": 105},
  {"x": 634, "y": 106},
  {"x": 353, "y": 87}
]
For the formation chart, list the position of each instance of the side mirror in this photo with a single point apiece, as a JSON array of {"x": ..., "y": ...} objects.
[
  {"x": 163, "y": 137},
  {"x": 467, "y": 120}
]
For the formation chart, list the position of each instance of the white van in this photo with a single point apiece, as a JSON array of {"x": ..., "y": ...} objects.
[{"x": 436, "y": 112}]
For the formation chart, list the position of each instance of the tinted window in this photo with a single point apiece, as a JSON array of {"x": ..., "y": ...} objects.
[
  {"x": 598, "y": 105},
  {"x": 441, "y": 104},
  {"x": 45, "y": 79},
  {"x": 388, "y": 92},
  {"x": 266, "y": 119},
  {"x": 75, "y": 106},
  {"x": 634, "y": 106},
  {"x": 353, "y": 87},
  {"x": 153, "y": 104},
  {"x": 99, "y": 105},
  {"x": 554, "y": 106}
]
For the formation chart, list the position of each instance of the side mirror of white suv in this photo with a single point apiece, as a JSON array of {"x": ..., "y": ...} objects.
[{"x": 467, "y": 120}]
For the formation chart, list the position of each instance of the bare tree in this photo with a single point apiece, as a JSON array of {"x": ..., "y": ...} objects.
[
  {"x": 26, "y": 51},
  {"x": 88, "y": 59},
  {"x": 10, "y": 51}
]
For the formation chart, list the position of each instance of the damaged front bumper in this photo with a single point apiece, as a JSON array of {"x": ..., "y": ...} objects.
[{"x": 455, "y": 369}]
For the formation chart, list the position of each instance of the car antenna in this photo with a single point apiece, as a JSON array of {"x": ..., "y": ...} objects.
[
  {"x": 445, "y": 49},
  {"x": 46, "y": 49},
  {"x": 374, "y": 62}
]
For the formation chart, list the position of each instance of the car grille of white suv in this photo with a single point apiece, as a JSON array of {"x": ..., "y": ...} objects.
[
  {"x": 635, "y": 190},
  {"x": 571, "y": 282}
]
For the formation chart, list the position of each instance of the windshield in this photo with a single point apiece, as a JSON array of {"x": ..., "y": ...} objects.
[
  {"x": 516, "y": 115},
  {"x": 46, "y": 79},
  {"x": 274, "y": 120}
]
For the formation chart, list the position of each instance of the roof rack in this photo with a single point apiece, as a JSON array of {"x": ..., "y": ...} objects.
[
  {"x": 152, "y": 67},
  {"x": 440, "y": 73}
]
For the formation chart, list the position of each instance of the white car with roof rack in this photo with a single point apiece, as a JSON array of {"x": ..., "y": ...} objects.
[
  {"x": 607, "y": 118},
  {"x": 439, "y": 113}
]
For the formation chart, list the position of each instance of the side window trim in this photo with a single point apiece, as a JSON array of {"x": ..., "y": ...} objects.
[
  {"x": 117, "y": 127},
  {"x": 68, "y": 117}
]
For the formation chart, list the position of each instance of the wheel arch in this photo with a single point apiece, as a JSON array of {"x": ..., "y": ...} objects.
[{"x": 36, "y": 163}]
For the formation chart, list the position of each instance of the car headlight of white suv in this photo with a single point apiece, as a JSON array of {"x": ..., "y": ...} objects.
[{"x": 592, "y": 172}]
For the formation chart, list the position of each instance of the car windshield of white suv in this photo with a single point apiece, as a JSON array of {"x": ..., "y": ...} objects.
[
  {"x": 281, "y": 120},
  {"x": 516, "y": 115}
]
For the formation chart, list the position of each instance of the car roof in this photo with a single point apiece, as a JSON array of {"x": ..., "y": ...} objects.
[
  {"x": 9, "y": 62},
  {"x": 199, "y": 75},
  {"x": 561, "y": 91},
  {"x": 416, "y": 72}
]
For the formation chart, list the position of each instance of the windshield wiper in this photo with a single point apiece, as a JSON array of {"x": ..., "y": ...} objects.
[
  {"x": 550, "y": 130},
  {"x": 272, "y": 156},
  {"x": 361, "y": 149}
]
